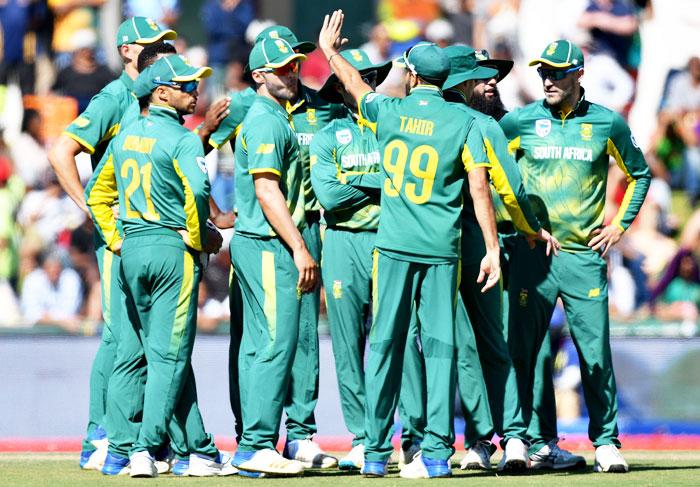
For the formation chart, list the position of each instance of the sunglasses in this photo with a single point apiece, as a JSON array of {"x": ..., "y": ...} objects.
[
  {"x": 289, "y": 68},
  {"x": 370, "y": 78},
  {"x": 555, "y": 74},
  {"x": 186, "y": 87}
]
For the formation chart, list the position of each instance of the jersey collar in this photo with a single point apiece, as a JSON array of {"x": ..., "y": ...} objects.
[
  {"x": 126, "y": 79},
  {"x": 426, "y": 89},
  {"x": 304, "y": 98},
  {"x": 274, "y": 106},
  {"x": 164, "y": 111},
  {"x": 580, "y": 105},
  {"x": 454, "y": 96}
]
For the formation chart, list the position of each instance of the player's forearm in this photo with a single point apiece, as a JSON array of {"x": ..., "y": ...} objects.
[
  {"x": 62, "y": 159},
  {"x": 632, "y": 202},
  {"x": 483, "y": 207},
  {"x": 275, "y": 209}
]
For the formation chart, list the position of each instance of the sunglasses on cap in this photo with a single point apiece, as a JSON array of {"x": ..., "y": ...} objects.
[
  {"x": 555, "y": 74},
  {"x": 186, "y": 87},
  {"x": 289, "y": 68}
]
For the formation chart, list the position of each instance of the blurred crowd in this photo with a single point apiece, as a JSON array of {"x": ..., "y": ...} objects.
[{"x": 52, "y": 56}]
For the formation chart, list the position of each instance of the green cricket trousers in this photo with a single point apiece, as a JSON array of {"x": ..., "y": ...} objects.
[
  {"x": 347, "y": 278},
  {"x": 160, "y": 278},
  {"x": 398, "y": 285},
  {"x": 267, "y": 277},
  {"x": 580, "y": 280}
]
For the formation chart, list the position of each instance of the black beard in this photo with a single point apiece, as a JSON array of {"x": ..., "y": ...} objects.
[{"x": 492, "y": 107}]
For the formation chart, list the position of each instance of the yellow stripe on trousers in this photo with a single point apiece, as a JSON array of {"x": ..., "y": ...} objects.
[{"x": 183, "y": 304}]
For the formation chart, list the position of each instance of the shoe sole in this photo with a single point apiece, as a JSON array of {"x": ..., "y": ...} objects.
[
  {"x": 611, "y": 469},
  {"x": 515, "y": 466},
  {"x": 348, "y": 466},
  {"x": 474, "y": 466},
  {"x": 545, "y": 466},
  {"x": 270, "y": 473}
]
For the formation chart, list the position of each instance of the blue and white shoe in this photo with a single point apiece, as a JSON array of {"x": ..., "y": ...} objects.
[
  {"x": 115, "y": 465},
  {"x": 244, "y": 456},
  {"x": 180, "y": 467},
  {"x": 426, "y": 468},
  {"x": 309, "y": 453},
  {"x": 354, "y": 459},
  {"x": 93, "y": 459},
  {"x": 374, "y": 469}
]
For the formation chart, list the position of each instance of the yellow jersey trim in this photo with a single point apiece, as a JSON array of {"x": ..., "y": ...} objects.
[
  {"x": 631, "y": 185},
  {"x": 191, "y": 213},
  {"x": 84, "y": 144}
]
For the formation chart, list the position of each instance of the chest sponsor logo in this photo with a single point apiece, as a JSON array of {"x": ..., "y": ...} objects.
[
  {"x": 304, "y": 138},
  {"x": 543, "y": 127},
  {"x": 311, "y": 116},
  {"x": 586, "y": 131},
  {"x": 343, "y": 136},
  {"x": 202, "y": 164}
]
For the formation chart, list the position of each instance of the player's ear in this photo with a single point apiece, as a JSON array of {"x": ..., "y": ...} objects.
[{"x": 258, "y": 77}]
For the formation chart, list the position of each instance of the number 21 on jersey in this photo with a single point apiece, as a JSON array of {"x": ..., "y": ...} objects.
[
  {"x": 138, "y": 179},
  {"x": 422, "y": 163}
]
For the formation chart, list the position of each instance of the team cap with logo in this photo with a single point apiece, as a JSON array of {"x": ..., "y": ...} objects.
[
  {"x": 560, "y": 54},
  {"x": 167, "y": 70},
  {"x": 142, "y": 30},
  {"x": 464, "y": 66},
  {"x": 282, "y": 32},
  {"x": 272, "y": 53}
]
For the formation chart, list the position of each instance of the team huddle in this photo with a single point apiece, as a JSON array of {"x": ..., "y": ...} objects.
[{"x": 454, "y": 230}]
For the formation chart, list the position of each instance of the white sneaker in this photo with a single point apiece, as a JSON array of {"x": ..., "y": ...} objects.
[
  {"x": 609, "y": 459},
  {"x": 515, "y": 458},
  {"x": 270, "y": 462},
  {"x": 478, "y": 457},
  {"x": 309, "y": 453},
  {"x": 354, "y": 460},
  {"x": 165, "y": 465},
  {"x": 551, "y": 457},
  {"x": 142, "y": 465},
  {"x": 203, "y": 466},
  {"x": 407, "y": 456},
  {"x": 424, "y": 468}
]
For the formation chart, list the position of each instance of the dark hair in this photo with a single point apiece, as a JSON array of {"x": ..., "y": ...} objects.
[
  {"x": 29, "y": 115},
  {"x": 150, "y": 52},
  {"x": 144, "y": 101}
]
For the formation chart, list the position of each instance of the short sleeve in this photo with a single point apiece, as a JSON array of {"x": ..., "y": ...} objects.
[
  {"x": 370, "y": 104},
  {"x": 99, "y": 121},
  {"x": 473, "y": 152},
  {"x": 266, "y": 146},
  {"x": 228, "y": 129}
]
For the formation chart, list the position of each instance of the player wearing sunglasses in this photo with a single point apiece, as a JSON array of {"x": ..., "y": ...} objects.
[{"x": 563, "y": 145}]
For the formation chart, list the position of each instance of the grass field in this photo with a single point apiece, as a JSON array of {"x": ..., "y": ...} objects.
[{"x": 648, "y": 468}]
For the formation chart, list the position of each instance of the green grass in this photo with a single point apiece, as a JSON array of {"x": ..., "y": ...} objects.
[{"x": 648, "y": 468}]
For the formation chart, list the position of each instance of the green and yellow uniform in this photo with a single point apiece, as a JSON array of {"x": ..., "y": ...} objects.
[
  {"x": 345, "y": 162},
  {"x": 564, "y": 160},
  {"x": 264, "y": 270},
  {"x": 309, "y": 114},
  {"x": 93, "y": 130},
  {"x": 157, "y": 167},
  {"x": 484, "y": 310},
  {"x": 427, "y": 147}
]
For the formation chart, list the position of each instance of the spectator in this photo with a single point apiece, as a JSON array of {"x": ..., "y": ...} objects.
[
  {"x": 70, "y": 17},
  {"x": 19, "y": 20},
  {"x": 463, "y": 22},
  {"x": 225, "y": 22},
  {"x": 612, "y": 24},
  {"x": 163, "y": 12},
  {"x": 32, "y": 163},
  {"x": 84, "y": 77},
  {"x": 680, "y": 299},
  {"x": 11, "y": 193},
  {"x": 51, "y": 294},
  {"x": 378, "y": 46},
  {"x": 440, "y": 32}
]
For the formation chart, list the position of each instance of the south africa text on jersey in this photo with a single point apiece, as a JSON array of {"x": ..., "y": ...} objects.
[{"x": 559, "y": 152}]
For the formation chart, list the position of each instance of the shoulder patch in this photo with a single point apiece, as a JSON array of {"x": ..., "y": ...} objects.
[
  {"x": 265, "y": 149},
  {"x": 202, "y": 164},
  {"x": 81, "y": 122},
  {"x": 343, "y": 137}
]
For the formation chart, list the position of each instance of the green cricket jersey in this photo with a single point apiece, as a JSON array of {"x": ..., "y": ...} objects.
[
  {"x": 427, "y": 145},
  {"x": 100, "y": 122},
  {"x": 267, "y": 143},
  {"x": 564, "y": 162},
  {"x": 157, "y": 168},
  {"x": 309, "y": 115},
  {"x": 345, "y": 148}
]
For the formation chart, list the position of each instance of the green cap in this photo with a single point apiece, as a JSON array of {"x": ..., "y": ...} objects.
[
  {"x": 428, "y": 61},
  {"x": 141, "y": 30},
  {"x": 272, "y": 53},
  {"x": 282, "y": 32},
  {"x": 502, "y": 65},
  {"x": 361, "y": 62},
  {"x": 169, "y": 69},
  {"x": 464, "y": 66},
  {"x": 560, "y": 54}
]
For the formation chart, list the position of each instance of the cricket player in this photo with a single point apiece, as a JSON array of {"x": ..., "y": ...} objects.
[
  {"x": 157, "y": 168},
  {"x": 427, "y": 146},
  {"x": 486, "y": 99},
  {"x": 272, "y": 263},
  {"x": 91, "y": 132},
  {"x": 345, "y": 175},
  {"x": 310, "y": 113},
  {"x": 563, "y": 145}
]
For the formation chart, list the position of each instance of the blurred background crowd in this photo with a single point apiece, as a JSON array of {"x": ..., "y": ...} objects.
[{"x": 641, "y": 60}]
